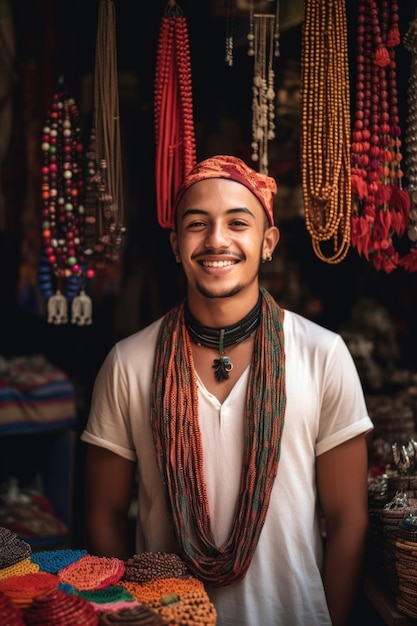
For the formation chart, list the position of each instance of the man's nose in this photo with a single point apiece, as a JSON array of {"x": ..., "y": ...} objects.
[{"x": 217, "y": 236}]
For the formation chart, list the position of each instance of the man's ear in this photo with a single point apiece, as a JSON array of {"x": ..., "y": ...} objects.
[
  {"x": 174, "y": 244},
  {"x": 271, "y": 238}
]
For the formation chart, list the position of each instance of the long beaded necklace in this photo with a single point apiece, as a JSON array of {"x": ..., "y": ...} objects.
[
  {"x": 173, "y": 111},
  {"x": 409, "y": 261},
  {"x": 263, "y": 40},
  {"x": 178, "y": 445},
  {"x": 104, "y": 205},
  {"x": 222, "y": 338},
  {"x": 381, "y": 206},
  {"x": 325, "y": 127},
  {"x": 62, "y": 258}
]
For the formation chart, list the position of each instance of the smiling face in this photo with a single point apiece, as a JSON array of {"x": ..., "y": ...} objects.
[{"x": 222, "y": 235}]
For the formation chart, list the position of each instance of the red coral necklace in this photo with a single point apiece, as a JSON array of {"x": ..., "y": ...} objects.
[{"x": 381, "y": 206}]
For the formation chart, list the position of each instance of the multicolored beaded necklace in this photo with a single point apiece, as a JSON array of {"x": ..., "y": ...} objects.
[
  {"x": 82, "y": 207},
  {"x": 62, "y": 258},
  {"x": 178, "y": 445}
]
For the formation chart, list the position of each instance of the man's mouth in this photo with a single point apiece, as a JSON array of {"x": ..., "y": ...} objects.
[{"x": 217, "y": 263}]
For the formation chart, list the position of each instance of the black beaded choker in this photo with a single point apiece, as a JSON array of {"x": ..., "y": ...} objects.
[{"x": 222, "y": 338}]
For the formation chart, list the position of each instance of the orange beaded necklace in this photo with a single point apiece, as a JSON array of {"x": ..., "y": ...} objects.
[{"x": 325, "y": 127}]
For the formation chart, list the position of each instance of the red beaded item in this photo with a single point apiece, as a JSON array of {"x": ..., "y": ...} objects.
[
  {"x": 173, "y": 112},
  {"x": 380, "y": 205}
]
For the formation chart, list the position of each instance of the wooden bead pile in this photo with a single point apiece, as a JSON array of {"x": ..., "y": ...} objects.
[{"x": 148, "y": 566}]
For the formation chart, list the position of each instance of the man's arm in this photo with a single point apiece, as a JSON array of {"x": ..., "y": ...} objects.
[
  {"x": 108, "y": 494},
  {"x": 343, "y": 493}
]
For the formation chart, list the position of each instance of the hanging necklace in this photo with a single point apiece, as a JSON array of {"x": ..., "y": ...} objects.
[
  {"x": 263, "y": 39},
  {"x": 381, "y": 205},
  {"x": 173, "y": 111},
  {"x": 325, "y": 128},
  {"x": 222, "y": 338},
  {"x": 62, "y": 260}
]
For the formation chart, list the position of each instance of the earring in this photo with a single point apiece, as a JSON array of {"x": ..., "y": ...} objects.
[
  {"x": 177, "y": 258},
  {"x": 268, "y": 258}
]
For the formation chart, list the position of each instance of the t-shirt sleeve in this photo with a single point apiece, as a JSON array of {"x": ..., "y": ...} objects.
[
  {"x": 344, "y": 414},
  {"x": 108, "y": 424}
]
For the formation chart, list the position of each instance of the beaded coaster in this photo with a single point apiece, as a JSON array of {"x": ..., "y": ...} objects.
[
  {"x": 57, "y": 608},
  {"x": 148, "y": 566},
  {"x": 55, "y": 560},
  {"x": 153, "y": 591},
  {"x": 92, "y": 572},
  {"x": 10, "y": 614},
  {"x": 114, "y": 593},
  {"x": 23, "y": 589},
  {"x": 12, "y": 548},
  {"x": 18, "y": 569}
]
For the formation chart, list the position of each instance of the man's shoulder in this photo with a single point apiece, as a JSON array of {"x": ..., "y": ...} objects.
[
  {"x": 304, "y": 331},
  {"x": 142, "y": 339},
  {"x": 297, "y": 320}
]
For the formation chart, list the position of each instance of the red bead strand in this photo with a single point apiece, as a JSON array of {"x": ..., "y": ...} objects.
[
  {"x": 173, "y": 116},
  {"x": 380, "y": 205}
]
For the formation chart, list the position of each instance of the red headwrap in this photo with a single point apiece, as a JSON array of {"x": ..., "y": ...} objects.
[{"x": 224, "y": 166}]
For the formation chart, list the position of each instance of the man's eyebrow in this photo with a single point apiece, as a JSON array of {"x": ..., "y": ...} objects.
[{"x": 194, "y": 211}]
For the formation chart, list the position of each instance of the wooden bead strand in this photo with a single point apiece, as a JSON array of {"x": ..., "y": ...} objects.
[{"x": 325, "y": 127}]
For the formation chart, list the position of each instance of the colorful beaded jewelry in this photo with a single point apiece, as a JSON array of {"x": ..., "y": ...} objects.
[
  {"x": 380, "y": 205},
  {"x": 62, "y": 258}
]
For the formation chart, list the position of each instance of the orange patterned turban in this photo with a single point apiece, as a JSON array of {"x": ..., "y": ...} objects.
[{"x": 224, "y": 166}]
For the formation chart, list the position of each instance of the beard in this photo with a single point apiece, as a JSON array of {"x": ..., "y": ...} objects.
[{"x": 213, "y": 293}]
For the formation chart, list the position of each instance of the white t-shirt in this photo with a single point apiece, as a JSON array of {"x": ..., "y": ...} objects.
[{"x": 324, "y": 407}]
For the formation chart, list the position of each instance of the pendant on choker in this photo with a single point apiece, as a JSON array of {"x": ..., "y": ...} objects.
[
  {"x": 222, "y": 366},
  {"x": 222, "y": 338}
]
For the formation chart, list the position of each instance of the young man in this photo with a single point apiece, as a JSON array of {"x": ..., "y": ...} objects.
[{"x": 245, "y": 424}]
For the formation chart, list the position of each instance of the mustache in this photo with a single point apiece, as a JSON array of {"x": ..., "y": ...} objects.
[{"x": 230, "y": 253}]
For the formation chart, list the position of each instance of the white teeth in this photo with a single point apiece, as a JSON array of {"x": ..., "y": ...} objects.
[{"x": 217, "y": 263}]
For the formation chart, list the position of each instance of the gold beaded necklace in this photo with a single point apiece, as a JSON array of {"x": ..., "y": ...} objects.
[{"x": 325, "y": 127}]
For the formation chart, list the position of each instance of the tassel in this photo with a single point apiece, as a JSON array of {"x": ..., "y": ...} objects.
[
  {"x": 400, "y": 199},
  {"x": 382, "y": 58},
  {"x": 359, "y": 186},
  {"x": 383, "y": 195},
  {"x": 393, "y": 37}
]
